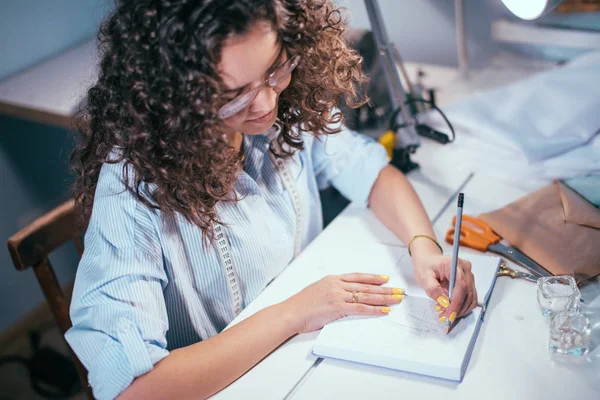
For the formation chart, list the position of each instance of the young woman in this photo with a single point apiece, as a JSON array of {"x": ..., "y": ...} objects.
[{"x": 205, "y": 141}]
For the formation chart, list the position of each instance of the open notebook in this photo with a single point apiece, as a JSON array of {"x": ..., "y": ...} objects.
[{"x": 410, "y": 338}]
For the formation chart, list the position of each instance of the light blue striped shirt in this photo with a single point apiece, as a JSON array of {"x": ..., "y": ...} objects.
[{"x": 146, "y": 285}]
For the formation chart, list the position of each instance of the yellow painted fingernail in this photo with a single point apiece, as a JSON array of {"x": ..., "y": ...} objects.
[
  {"x": 397, "y": 297},
  {"x": 441, "y": 311},
  {"x": 385, "y": 277},
  {"x": 443, "y": 318},
  {"x": 443, "y": 300},
  {"x": 386, "y": 309},
  {"x": 397, "y": 291},
  {"x": 438, "y": 307},
  {"x": 452, "y": 316}
]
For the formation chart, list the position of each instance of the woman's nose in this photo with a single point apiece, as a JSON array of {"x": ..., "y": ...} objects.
[{"x": 264, "y": 101}]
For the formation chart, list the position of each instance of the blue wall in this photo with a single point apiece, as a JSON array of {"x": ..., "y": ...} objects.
[
  {"x": 34, "y": 173},
  {"x": 32, "y": 30}
]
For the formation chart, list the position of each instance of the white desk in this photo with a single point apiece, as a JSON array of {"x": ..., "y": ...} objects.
[{"x": 510, "y": 358}]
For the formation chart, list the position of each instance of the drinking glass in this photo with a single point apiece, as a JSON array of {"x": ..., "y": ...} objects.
[
  {"x": 570, "y": 333},
  {"x": 556, "y": 294}
]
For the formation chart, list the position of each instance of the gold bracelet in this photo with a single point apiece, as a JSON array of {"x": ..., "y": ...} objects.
[{"x": 424, "y": 236}]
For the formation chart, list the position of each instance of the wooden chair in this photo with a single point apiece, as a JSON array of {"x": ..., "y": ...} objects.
[{"x": 31, "y": 246}]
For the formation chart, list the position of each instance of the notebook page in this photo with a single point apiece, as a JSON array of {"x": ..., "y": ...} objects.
[{"x": 411, "y": 337}]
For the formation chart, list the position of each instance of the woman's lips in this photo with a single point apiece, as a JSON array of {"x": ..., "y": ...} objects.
[{"x": 262, "y": 119}]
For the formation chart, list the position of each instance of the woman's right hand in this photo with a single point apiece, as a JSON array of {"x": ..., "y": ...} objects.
[{"x": 332, "y": 297}]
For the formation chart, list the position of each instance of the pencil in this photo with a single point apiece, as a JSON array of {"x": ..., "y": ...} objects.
[{"x": 455, "y": 244}]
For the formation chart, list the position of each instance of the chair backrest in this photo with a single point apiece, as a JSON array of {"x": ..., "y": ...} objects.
[{"x": 31, "y": 246}]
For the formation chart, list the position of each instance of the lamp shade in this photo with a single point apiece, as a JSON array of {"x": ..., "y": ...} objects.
[{"x": 530, "y": 9}]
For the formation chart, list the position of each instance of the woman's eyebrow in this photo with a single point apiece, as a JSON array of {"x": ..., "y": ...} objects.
[{"x": 273, "y": 65}]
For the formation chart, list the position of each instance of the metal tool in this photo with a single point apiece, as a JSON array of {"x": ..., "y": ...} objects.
[
  {"x": 407, "y": 135},
  {"x": 506, "y": 271},
  {"x": 405, "y": 127},
  {"x": 477, "y": 235}
]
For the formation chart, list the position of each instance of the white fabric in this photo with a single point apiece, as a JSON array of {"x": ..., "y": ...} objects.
[{"x": 545, "y": 127}]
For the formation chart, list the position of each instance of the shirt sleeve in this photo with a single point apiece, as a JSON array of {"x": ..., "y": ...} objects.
[
  {"x": 349, "y": 161},
  {"x": 118, "y": 309}
]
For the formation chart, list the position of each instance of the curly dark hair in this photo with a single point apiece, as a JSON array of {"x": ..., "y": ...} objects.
[{"x": 158, "y": 92}]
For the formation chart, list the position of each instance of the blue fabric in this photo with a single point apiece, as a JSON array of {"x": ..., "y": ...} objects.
[{"x": 147, "y": 285}]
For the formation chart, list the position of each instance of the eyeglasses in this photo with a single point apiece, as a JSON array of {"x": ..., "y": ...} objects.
[{"x": 275, "y": 78}]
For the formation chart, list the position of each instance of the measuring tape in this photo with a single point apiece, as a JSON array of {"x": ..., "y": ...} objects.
[{"x": 222, "y": 243}]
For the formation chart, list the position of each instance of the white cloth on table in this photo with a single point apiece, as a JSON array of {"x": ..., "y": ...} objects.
[{"x": 545, "y": 127}]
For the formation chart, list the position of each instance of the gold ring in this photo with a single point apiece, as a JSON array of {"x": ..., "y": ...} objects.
[{"x": 355, "y": 297}]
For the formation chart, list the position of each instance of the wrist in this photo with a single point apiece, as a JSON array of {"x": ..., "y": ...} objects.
[
  {"x": 289, "y": 317},
  {"x": 424, "y": 245}
]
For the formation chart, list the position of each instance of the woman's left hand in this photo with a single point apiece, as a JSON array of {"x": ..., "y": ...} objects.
[{"x": 432, "y": 272}]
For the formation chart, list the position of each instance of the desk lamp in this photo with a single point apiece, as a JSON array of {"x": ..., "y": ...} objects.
[
  {"x": 404, "y": 127},
  {"x": 530, "y": 9}
]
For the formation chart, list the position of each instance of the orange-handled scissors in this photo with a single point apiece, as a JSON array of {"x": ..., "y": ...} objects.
[{"x": 478, "y": 235}]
